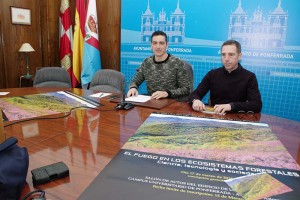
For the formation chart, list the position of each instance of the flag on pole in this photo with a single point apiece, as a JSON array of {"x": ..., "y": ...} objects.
[
  {"x": 91, "y": 54},
  {"x": 79, "y": 35},
  {"x": 66, "y": 37}
]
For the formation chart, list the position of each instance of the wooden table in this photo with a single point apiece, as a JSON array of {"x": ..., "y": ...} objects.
[{"x": 88, "y": 139}]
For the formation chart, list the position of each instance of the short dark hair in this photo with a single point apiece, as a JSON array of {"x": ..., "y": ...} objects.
[
  {"x": 231, "y": 42},
  {"x": 156, "y": 33}
]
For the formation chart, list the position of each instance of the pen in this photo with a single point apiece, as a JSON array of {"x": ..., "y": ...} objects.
[{"x": 100, "y": 95}]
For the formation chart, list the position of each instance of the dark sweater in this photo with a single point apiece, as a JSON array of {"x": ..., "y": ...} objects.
[
  {"x": 168, "y": 75},
  {"x": 238, "y": 88}
]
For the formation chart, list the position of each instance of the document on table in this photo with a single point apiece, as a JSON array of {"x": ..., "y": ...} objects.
[
  {"x": 4, "y": 93},
  {"x": 100, "y": 95},
  {"x": 139, "y": 98}
]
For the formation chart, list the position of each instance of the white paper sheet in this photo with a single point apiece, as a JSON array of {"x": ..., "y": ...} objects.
[
  {"x": 100, "y": 95},
  {"x": 4, "y": 93},
  {"x": 139, "y": 98}
]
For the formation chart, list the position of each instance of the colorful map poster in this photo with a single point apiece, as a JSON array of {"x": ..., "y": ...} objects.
[
  {"x": 178, "y": 157},
  {"x": 36, "y": 105}
]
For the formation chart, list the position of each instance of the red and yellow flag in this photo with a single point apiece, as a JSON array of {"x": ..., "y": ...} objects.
[{"x": 79, "y": 35}]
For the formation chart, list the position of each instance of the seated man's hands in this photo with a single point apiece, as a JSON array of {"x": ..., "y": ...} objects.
[
  {"x": 132, "y": 92},
  {"x": 159, "y": 95},
  {"x": 218, "y": 109},
  {"x": 222, "y": 108},
  {"x": 198, "y": 105}
]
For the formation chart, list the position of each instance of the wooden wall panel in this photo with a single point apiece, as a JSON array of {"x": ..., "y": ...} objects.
[
  {"x": 43, "y": 35},
  {"x": 109, "y": 14},
  {"x": 50, "y": 32},
  {"x": 2, "y": 71},
  {"x": 14, "y": 35}
]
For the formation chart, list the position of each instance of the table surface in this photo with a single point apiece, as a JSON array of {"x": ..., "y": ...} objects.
[{"x": 88, "y": 139}]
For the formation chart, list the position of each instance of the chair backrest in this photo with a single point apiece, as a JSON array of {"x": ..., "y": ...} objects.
[
  {"x": 52, "y": 77},
  {"x": 190, "y": 72},
  {"x": 108, "y": 80}
]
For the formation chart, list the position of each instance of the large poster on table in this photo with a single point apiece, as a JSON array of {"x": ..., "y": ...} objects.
[
  {"x": 178, "y": 157},
  {"x": 267, "y": 30},
  {"x": 37, "y": 105}
]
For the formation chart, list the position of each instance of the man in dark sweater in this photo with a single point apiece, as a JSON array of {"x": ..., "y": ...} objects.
[
  {"x": 165, "y": 74},
  {"x": 232, "y": 88}
]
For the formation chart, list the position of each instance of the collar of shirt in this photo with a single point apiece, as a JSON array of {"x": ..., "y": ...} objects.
[
  {"x": 161, "y": 61},
  {"x": 237, "y": 70}
]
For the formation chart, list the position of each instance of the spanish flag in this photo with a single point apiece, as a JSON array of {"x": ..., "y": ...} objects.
[{"x": 79, "y": 35}]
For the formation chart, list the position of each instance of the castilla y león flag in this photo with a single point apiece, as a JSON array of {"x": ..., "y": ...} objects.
[{"x": 66, "y": 37}]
